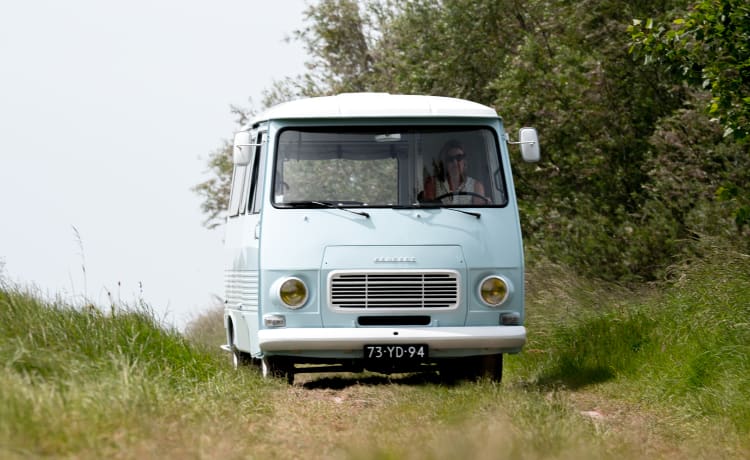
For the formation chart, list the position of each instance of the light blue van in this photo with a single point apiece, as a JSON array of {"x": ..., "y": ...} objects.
[{"x": 375, "y": 232}]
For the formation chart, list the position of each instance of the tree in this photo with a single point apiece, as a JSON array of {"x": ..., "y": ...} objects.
[
  {"x": 215, "y": 190},
  {"x": 710, "y": 47},
  {"x": 337, "y": 41},
  {"x": 598, "y": 200}
]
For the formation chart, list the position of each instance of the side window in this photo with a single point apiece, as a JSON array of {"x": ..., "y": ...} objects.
[
  {"x": 254, "y": 189},
  {"x": 247, "y": 189},
  {"x": 238, "y": 182}
]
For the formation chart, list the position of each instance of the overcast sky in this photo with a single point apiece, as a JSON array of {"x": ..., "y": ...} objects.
[{"x": 108, "y": 111}]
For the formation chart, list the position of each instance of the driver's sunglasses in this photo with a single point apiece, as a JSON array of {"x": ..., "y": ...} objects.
[{"x": 456, "y": 158}]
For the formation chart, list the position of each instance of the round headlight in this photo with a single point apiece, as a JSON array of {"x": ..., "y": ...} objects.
[
  {"x": 293, "y": 293},
  {"x": 493, "y": 290}
]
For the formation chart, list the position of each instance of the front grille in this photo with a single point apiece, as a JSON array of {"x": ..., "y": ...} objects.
[{"x": 403, "y": 289}]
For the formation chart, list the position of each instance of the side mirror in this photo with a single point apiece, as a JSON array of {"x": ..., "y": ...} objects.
[
  {"x": 242, "y": 148},
  {"x": 529, "y": 142}
]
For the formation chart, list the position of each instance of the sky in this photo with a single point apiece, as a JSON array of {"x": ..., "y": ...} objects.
[{"x": 108, "y": 112}]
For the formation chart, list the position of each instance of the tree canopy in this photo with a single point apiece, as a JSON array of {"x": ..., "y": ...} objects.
[
  {"x": 631, "y": 161},
  {"x": 709, "y": 45}
]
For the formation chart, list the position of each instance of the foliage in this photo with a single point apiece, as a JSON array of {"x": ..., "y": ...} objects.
[
  {"x": 215, "y": 189},
  {"x": 690, "y": 164},
  {"x": 710, "y": 48},
  {"x": 630, "y": 168},
  {"x": 339, "y": 47},
  {"x": 445, "y": 48},
  {"x": 732, "y": 192}
]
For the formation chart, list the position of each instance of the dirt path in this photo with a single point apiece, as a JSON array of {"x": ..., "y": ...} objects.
[{"x": 413, "y": 417}]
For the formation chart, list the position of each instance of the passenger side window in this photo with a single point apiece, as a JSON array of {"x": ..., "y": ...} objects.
[
  {"x": 247, "y": 190},
  {"x": 255, "y": 163},
  {"x": 238, "y": 182}
]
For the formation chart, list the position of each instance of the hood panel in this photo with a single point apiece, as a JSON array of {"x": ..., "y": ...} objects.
[
  {"x": 392, "y": 257},
  {"x": 311, "y": 239}
]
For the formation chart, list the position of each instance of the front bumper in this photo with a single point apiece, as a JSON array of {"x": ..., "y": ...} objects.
[{"x": 488, "y": 339}]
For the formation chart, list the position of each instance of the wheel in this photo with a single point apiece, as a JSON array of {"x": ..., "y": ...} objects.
[
  {"x": 240, "y": 359},
  {"x": 277, "y": 366},
  {"x": 455, "y": 370},
  {"x": 491, "y": 367},
  {"x": 473, "y": 368},
  {"x": 450, "y": 371}
]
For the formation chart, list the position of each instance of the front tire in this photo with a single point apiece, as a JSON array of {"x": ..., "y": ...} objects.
[
  {"x": 240, "y": 358},
  {"x": 277, "y": 366},
  {"x": 473, "y": 368},
  {"x": 491, "y": 367}
]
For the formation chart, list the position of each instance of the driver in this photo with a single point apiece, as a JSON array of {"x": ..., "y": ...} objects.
[{"x": 451, "y": 185}]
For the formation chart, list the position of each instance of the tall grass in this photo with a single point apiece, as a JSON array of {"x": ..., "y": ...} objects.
[
  {"x": 609, "y": 372},
  {"x": 79, "y": 381},
  {"x": 685, "y": 350},
  {"x": 702, "y": 342},
  {"x": 207, "y": 329}
]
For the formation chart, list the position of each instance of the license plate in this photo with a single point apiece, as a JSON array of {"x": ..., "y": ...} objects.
[{"x": 396, "y": 352}]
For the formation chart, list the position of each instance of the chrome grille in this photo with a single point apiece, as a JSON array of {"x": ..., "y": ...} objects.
[{"x": 402, "y": 289}]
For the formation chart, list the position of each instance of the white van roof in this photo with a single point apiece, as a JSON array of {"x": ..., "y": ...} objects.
[{"x": 375, "y": 105}]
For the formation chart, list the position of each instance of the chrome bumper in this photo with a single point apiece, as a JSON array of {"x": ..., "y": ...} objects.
[{"x": 497, "y": 338}]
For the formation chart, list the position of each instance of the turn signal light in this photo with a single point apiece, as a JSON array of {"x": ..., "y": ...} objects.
[{"x": 274, "y": 321}]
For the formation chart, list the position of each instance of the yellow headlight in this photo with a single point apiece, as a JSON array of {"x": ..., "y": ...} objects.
[
  {"x": 293, "y": 293},
  {"x": 493, "y": 290}
]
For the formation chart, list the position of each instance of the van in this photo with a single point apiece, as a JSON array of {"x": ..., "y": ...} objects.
[{"x": 375, "y": 232}]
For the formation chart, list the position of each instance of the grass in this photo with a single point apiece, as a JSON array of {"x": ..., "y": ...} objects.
[
  {"x": 79, "y": 382},
  {"x": 609, "y": 372},
  {"x": 688, "y": 348}
]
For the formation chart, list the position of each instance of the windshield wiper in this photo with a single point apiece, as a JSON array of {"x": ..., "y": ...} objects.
[
  {"x": 471, "y": 213},
  {"x": 436, "y": 206},
  {"x": 322, "y": 204}
]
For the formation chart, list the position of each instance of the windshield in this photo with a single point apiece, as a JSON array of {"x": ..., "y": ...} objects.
[{"x": 367, "y": 167}]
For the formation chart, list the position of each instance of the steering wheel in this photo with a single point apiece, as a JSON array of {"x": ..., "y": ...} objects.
[{"x": 472, "y": 194}]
